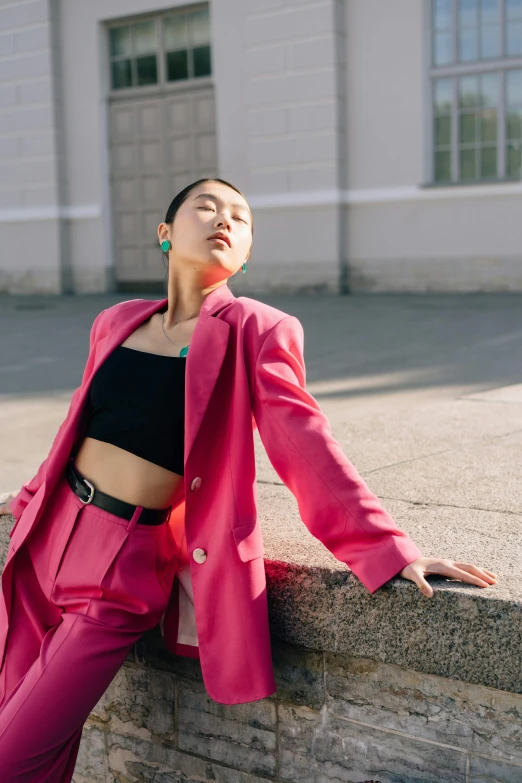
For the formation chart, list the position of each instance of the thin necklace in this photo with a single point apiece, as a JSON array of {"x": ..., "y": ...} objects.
[{"x": 184, "y": 350}]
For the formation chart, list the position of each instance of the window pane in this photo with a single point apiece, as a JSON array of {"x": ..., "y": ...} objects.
[
  {"x": 442, "y": 165},
  {"x": 468, "y": 44},
  {"x": 514, "y": 9},
  {"x": 489, "y": 89},
  {"x": 514, "y": 86},
  {"x": 468, "y": 128},
  {"x": 121, "y": 75},
  {"x": 442, "y": 96},
  {"x": 202, "y": 61},
  {"x": 147, "y": 69},
  {"x": 199, "y": 28},
  {"x": 468, "y": 92},
  {"x": 441, "y": 14},
  {"x": 442, "y": 131},
  {"x": 120, "y": 41},
  {"x": 175, "y": 32},
  {"x": 490, "y": 41},
  {"x": 442, "y": 53},
  {"x": 514, "y": 38},
  {"x": 514, "y": 160},
  {"x": 177, "y": 65},
  {"x": 514, "y": 123},
  {"x": 467, "y": 164},
  {"x": 144, "y": 37},
  {"x": 488, "y": 125},
  {"x": 488, "y": 162},
  {"x": 468, "y": 12},
  {"x": 489, "y": 11}
]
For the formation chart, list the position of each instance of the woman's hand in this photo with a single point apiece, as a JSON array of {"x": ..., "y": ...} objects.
[
  {"x": 5, "y": 507},
  {"x": 466, "y": 572}
]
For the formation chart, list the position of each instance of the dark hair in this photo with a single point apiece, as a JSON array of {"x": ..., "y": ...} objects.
[{"x": 178, "y": 200}]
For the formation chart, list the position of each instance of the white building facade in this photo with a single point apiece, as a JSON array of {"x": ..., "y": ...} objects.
[{"x": 378, "y": 142}]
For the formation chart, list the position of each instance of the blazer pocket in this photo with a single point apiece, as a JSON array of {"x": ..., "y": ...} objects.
[{"x": 249, "y": 541}]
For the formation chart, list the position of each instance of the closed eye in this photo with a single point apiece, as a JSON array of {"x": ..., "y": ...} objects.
[{"x": 237, "y": 218}]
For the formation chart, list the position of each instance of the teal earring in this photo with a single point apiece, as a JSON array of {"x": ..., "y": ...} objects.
[
  {"x": 166, "y": 245},
  {"x": 243, "y": 267}
]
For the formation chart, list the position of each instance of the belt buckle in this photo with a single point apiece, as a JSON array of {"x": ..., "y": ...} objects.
[{"x": 91, "y": 495}]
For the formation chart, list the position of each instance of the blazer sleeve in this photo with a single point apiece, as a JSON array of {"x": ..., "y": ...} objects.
[
  {"x": 334, "y": 502},
  {"x": 29, "y": 489}
]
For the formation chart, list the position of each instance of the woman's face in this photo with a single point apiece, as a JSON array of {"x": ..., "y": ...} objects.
[{"x": 200, "y": 216}]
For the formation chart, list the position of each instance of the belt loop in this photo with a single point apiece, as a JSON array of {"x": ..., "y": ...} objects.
[{"x": 135, "y": 517}]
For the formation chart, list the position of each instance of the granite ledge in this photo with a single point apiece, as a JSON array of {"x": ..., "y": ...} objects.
[
  {"x": 464, "y": 632},
  {"x": 315, "y": 602}
]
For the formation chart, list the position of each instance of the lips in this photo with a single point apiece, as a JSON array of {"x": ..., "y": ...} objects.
[{"x": 223, "y": 237}]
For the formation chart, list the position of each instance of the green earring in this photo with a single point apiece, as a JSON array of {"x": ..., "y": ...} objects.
[
  {"x": 166, "y": 245},
  {"x": 243, "y": 267}
]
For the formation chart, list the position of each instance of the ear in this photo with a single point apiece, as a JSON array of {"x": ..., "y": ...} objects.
[{"x": 160, "y": 232}]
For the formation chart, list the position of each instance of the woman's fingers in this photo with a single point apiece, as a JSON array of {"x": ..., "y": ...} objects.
[
  {"x": 423, "y": 585},
  {"x": 473, "y": 569},
  {"x": 465, "y": 572},
  {"x": 5, "y": 507}
]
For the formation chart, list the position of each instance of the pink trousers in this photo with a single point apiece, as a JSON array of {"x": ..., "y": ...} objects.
[{"x": 87, "y": 584}]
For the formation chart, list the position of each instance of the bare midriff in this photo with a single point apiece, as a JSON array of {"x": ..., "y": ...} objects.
[
  {"x": 126, "y": 476},
  {"x": 120, "y": 473}
]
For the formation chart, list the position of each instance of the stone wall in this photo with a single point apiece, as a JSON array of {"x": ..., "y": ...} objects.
[{"x": 334, "y": 717}]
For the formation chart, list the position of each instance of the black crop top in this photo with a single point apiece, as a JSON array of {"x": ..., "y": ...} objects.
[{"x": 137, "y": 402}]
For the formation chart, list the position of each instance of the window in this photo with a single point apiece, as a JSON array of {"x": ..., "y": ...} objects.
[
  {"x": 187, "y": 45},
  {"x": 133, "y": 55},
  {"x": 180, "y": 41},
  {"x": 476, "y": 77}
]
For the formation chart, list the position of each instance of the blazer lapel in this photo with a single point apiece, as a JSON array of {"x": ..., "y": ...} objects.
[{"x": 204, "y": 360}]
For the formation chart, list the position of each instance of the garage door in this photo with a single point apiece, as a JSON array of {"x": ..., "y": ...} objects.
[
  {"x": 157, "y": 146},
  {"x": 162, "y": 136}
]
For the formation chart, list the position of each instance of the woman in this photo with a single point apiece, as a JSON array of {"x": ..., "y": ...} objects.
[{"x": 145, "y": 509}]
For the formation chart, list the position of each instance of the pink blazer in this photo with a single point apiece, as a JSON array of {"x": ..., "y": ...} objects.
[{"x": 245, "y": 369}]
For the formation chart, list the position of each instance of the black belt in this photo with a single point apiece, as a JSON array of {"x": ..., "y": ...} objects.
[{"x": 89, "y": 494}]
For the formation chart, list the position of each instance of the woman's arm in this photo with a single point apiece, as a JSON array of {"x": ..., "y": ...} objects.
[
  {"x": 334, "y": 502},
  {"x": 18, "y": 503}
]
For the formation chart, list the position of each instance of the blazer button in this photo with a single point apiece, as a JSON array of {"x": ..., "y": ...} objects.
[
  {"x": 199, "y": 555},
  {"x": 196, "y": 483}
]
